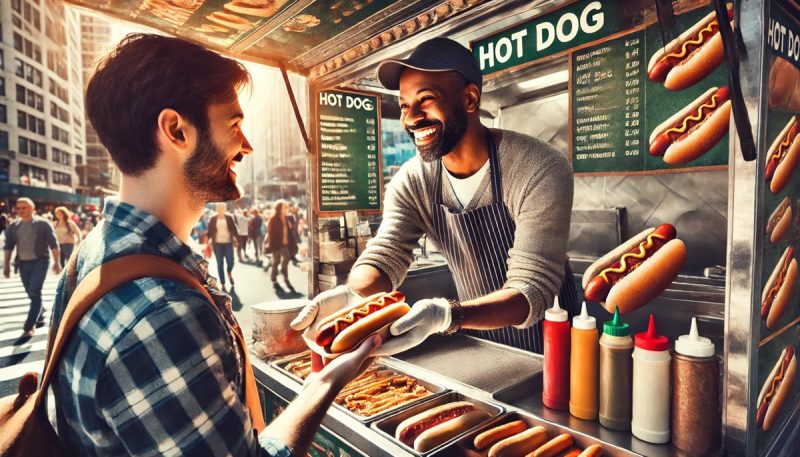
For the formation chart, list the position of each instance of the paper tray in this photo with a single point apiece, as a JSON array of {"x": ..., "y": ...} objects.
[
  {"x": 388, "y": 425},
  {"x": 433, "y": 388},
  {"x": 464, "y": 448}
]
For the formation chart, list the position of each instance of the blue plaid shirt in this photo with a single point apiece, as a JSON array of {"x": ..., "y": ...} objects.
[{"x": 152, "y": 368}]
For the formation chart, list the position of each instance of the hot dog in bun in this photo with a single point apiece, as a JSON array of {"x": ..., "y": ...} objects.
[
  {"x": 782, "y": 157},
  {"x": 694, "y": 130},
  {"x": 428, "y": 429},
  {"x": 784, "y": 86},
  {"x": 776, "y": 389},
  {"x": 637, "y": 271},
  {"x": 520, "y": 444},
  {"x": 690, "y": 57},
  {"x": 260, "y": 8},
  {"x": 779, "y": 288},
  {"x": 780, "y": 221},
  {"x": 348, "y": 327}
]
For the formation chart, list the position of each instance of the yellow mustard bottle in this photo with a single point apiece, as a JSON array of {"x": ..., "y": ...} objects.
[{"x": 583, "y": 367}]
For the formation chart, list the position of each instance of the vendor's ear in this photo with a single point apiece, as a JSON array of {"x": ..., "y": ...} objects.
[
  {"x": 175, "y": 132},
  {"x": 472, "y": 97}
]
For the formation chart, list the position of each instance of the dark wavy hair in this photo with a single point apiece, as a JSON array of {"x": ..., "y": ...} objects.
[{"x": 146, "y": 74}]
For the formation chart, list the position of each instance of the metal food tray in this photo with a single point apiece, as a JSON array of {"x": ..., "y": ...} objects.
[
  {"x": 464, "y": 448},
  {"x": 388, "y": 425},
  {"x": 433, "y": 388}
]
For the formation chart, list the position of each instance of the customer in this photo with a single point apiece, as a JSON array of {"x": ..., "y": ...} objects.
[
  {"x": 31, "y": 235},
  {"x": 222, "y": 238},
  {"x": 242, "y": 224},
  {"x": 67, "y": 233},
  {"x": 152, "y": 369},
  {"x": 256, "y": 231},
  {"x": 278, "y": 229}
]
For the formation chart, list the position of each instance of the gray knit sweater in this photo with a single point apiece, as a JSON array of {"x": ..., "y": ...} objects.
[{"x": 537, "y": 189}]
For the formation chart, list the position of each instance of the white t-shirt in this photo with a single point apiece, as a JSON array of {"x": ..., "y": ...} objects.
[
  {"x": 241, "y": 224},
  {"x": 223, "y": 234},
  {"x": 465, "y": 188}
]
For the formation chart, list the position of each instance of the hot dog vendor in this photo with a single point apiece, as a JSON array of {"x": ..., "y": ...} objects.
[{"x": 495, "y": 203}]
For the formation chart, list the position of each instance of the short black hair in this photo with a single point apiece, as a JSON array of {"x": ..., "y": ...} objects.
[{"x": 146, "y": 74}]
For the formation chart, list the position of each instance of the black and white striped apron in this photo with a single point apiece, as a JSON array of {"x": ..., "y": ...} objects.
[{"x": 476, "y": 244}]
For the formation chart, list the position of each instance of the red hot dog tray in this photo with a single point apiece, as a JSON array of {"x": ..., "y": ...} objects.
[
  {"x": 381, "y": 375},
  {"x": 388, "y": 425},
  {"x": 464, "y": 447}
]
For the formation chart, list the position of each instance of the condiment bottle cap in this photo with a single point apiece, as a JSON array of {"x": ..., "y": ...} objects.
[
  {"x": 616, "y": 327},
  {"x": 584, "y": 321},
  {"x": 556, "y": 314},
  {"x": 650, "y": 340},
  {"x": 693, "y": 344}
]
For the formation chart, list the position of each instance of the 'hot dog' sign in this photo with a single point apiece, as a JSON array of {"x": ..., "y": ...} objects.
[{"x": 577, "y": 24}]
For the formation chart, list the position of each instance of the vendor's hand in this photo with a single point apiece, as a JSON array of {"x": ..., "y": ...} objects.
[
  {"x": 323, "y": 305},
  {"x": 428, "y": 316},
  {"x": 349, "y": 366}
]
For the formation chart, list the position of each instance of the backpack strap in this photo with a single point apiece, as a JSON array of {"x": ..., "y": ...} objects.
[{"x": 109, "y": 276}]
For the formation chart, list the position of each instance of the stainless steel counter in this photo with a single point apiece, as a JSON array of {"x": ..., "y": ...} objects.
[{"x": 479, "y": 369}]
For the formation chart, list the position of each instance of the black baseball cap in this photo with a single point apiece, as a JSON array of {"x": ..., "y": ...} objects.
[{"x": 437, "y": 54}]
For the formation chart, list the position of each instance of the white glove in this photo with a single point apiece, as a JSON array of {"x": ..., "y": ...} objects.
[
  {"x": 324, "y": 305},
  {"x": 347, "y": 367},
  {"x": 426, "y": 317}
]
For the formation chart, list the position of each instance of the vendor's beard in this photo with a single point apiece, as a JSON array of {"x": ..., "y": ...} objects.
[
  {"x": 450, "y": 133},
  {"x": 207, "y": 173}
]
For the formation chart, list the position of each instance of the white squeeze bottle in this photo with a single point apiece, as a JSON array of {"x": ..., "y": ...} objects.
[{"x": 651, "y": 397}]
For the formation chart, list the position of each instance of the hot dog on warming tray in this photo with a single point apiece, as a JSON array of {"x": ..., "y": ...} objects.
[
  {"x": 428, "y": 429},
  {"x": 782, "y": 156},
  {"x": 553, "y": 447},
  {"x": 637, "y": 271},
  {"x": 694, "y": 130},
  {"x": 776, "y": 389},
  {"x": 779, "y": 288},
  {"x": 780, "y": 221},
  {"x": 495, "y": 434},
  {"x": 594, "y": 450},
  {"x": 519, "y": 444},
  {"x": 348, "y": 327},
  {"x": 690, "y": 57}
]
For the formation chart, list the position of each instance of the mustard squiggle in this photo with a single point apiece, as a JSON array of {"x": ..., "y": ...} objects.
[
  {"x": 700, "y": 39},
  {"x": 641, "y": 254},
  {"x": 711, "y": 106}
]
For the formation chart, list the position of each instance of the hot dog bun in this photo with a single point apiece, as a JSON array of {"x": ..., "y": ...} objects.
[
  {"x": 784, "y": 86},
  {"x": 519, "y": 444},
  {"x": 262, "y": 8},
  {"x": 594, "y": 450},
  {"x": 787, "y": 166},
  {"x": 495, "y": 434},
  {"x": 701, "y": 138},
  {"x": 444, "y": 432},
  {"x": 697, "y": 64},
  {"x": 781, "y": 299},
  {"x": 229, "y": 20},
  {"x": 353, "y": 335},
  {"x": 553, "y": 447},
  {"x": 780, "y": 395},
  {"x": 780, "y": 221},
  {"x": 410, "y": 429}
]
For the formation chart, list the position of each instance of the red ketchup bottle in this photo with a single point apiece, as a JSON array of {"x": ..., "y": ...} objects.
[{"x": 555, "y": 394}]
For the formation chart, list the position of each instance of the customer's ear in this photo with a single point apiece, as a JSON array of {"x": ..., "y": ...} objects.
[{"x": 175, "y": 133}]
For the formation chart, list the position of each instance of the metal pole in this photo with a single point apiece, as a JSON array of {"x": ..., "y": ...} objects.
[{"x": 295, "y": 108}]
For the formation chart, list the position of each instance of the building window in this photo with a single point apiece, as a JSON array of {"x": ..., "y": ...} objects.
[
  {"x": 2, "y": 60},
  {"x": 3, "y": 114},
  {"x": 32, "y": 148},
  {"x": 59, "y": 134},
  {"x": 5, "y": 168},
  {"x": 62, "y": 179},
  {"x": 22, "y": 143},
  {"x": 34, "y": 176},
  {"x": 19, "y": 68},
  {"x": 16, "y": 5},
  {"x": 20, "y": 93},
  {"x": 62, "y": 157},
  {"x": 2, "y": 87},
  {"x": 22, "y": 120},
  {"x": 3, "y": 140}
]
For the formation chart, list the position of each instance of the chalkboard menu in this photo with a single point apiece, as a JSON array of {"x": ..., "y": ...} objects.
[
  {"x": 615, "y": 107},
  {"x": 348, "y": 151}
]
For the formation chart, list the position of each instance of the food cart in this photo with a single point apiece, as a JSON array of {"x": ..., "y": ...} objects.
[{"x": 575, "y": 74}]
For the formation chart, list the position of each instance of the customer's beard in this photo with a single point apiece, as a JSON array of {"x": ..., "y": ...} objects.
[
  {"x": 207, "y": 173},
  {"x": 450, "y": 133}
]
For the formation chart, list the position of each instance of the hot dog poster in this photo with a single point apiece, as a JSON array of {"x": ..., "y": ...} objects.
[
  {"x": 219, "y": 22},
  {"x": 779, "y": 305},
  {"x": 639, "y": 106}
]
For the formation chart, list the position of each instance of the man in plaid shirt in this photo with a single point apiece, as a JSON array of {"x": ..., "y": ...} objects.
[{"x": 153, "y": 368}]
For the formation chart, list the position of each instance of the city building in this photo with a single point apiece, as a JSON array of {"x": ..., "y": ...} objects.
[
  {"x": 99, "y": 175},
  {"x": 42, "y": 137}
]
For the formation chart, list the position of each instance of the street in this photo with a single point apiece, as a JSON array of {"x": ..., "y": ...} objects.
[{"x": 19, "y": 356}]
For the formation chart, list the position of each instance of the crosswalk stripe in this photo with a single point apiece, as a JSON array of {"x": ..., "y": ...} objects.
[
  {"x": 11, "y": 336},
  {"x": 19, "y": 349},
  {"x": 16, "y": 371}
]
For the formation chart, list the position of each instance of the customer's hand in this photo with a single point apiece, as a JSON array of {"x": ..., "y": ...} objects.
[
  {"x": 427, "y": 316},
  {"x": 343, "y": 369},
  {"x": 323, "y": 305},
  {"x": 57, "y": 268}
]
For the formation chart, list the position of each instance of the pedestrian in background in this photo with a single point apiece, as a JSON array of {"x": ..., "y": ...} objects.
[
  {"x": 67, "y": 233},
  {"x": 294, "y": 234},
  {"x": 257, "y": 231},
  {"x": 242, "y": 223},
  {"x": 222, "y": 232},
  {"x": 278, "y": 242},
  {"x": 31, "y": 235}
]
